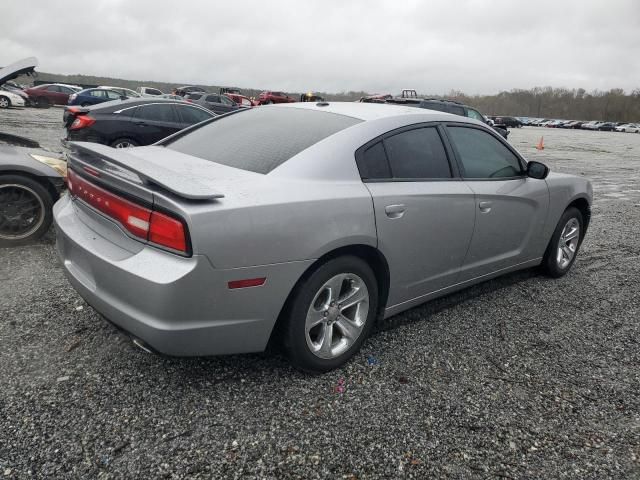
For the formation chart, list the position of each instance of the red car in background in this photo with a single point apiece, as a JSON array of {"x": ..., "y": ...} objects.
[
  {"x": 266, "y": 98},
  {"x": 49, "y": 94}
]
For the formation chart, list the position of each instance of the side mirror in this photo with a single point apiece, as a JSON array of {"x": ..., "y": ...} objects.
[
  {"x": 537, "y": 170},
  {"x": 123, "y": 97}
]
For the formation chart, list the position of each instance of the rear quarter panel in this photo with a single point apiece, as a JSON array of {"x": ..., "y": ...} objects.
[{"x": 270, "y": 221}]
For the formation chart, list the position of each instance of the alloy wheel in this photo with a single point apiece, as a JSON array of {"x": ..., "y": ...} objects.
[
  {"x": 4, "y": 102},
  {"x": 568, "y": 243},
  {"x": 337, "y": 315},
  {"x": 21, "y": 211}
]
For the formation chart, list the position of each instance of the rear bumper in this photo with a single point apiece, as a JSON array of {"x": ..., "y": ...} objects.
[{"x": 178, "y": 306}]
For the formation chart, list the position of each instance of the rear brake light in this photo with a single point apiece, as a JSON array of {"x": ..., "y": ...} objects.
[
  {"x": 143, "y": 223},
  {"x": 82, "y": 121}
]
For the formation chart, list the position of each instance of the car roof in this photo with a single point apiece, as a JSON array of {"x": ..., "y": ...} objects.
[
  {"x": 373, "y": 111},
  {"x": 117, "y": 105}
]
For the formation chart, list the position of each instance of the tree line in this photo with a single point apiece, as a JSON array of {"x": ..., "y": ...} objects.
[{"x": 559, "y": 103}]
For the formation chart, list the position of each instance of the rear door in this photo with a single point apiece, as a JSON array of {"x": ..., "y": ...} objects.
[
  {"x": 424, "y": 212},
  {"x": 155, "y": 121},
  {"x": 510, "y": 207}
]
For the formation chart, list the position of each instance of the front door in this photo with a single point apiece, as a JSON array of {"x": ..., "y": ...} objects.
[
  {"x": 424, "y": 214},
  {"x": 510, "y": 207}
]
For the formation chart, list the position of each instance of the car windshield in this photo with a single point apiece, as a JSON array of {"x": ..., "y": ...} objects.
[{"x": 260, "y": 139}]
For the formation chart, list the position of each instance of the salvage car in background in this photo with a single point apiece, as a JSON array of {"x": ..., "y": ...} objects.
[
  {"x": 629, "y": 128},
  {"x": 267, "y": 98},
  {"x": 31, "y": 180},
  {"x": 148, "y": 92},
  {"x": 182, "y": 91},
  {"x": 124, "y": 92},
  {"x": 217, "y": 103},
  {"x": 44, "y": 96},
  {"x": 93, "y": 96},
  {"x": 346, "y": 213},
  {"x": 9, "y": 91},
  {"x": 129, "y": 123},
  {"x": 448, "y": 106},
  {"x": 9, "y": 99}
]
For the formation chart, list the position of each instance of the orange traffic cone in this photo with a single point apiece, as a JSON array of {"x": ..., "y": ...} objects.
[{"x": 540, "y": 145}]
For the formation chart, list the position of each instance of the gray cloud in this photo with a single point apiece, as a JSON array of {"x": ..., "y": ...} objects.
[{"x": 331, "y": 45}]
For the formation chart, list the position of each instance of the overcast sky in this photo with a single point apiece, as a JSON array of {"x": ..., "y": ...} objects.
[{"x": 334, "y": 45}]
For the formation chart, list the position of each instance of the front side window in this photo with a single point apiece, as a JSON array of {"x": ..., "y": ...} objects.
[
  {"x": 417, "y": 153},
  {"x": 53, "y": 88},
  {"x": 482, "y": 155},
  {"x": 213, "y": 99},
  {"x": 226, "y": 101},
  {"x": 194, "y": 96},
  {"x": 158, "y": 113}
]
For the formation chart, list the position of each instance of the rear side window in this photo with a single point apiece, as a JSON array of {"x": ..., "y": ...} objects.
[
  {"x": 97, "y": 93},
  {"x": 456, "y": 110},
  {"x": 373, "y": 163},
  {"x": 482, "y": 155},
  {"x": 417, "y": 153},
  {"x": 260, "y": 139},
  {"x": 158, "y": 113},
  {"x": 192, "y": 115},
  {"x": 194, "y": 96}
]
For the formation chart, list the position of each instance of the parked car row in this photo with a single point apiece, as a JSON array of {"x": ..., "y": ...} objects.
[{"x": 583, "y": 125}]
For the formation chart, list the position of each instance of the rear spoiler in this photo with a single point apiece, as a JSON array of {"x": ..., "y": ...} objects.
[{"x": 182, "y": 184}]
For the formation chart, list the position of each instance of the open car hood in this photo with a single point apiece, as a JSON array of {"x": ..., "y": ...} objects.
[{"x": 26, "y": 66}]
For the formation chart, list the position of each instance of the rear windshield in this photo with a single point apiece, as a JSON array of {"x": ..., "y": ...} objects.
[{"x": 260, "y": 139}]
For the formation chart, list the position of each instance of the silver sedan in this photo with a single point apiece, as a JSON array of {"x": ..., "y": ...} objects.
[{"x": 303, "y": 224}]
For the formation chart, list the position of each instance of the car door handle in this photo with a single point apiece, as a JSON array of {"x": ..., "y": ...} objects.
[
  {"x": 485, "y": 207},
  {"x": 394, "y": 211}
]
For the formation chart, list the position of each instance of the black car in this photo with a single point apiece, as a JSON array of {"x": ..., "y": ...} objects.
[
  {"x": 449, "y": 106},
  {"x": 213, "y": 101},
  {"x": 510, "y": 122},
  {"x": 182, "y": 91},
  {"x": 607, "y": 127},
  {"x": 130, "y": 123}
]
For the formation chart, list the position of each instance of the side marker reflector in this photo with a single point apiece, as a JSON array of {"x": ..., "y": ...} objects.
[{"x": 249, "y": 282}]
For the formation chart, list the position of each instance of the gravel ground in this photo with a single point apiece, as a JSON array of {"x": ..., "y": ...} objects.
[{"x": 520, "y": 377}]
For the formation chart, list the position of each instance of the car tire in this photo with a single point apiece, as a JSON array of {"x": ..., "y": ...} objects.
[
  {"x": 85, "y": 104},
  {"x": 316, "y": 313},
  {"x": 5, "y": 102},
  {"x": 124, "y": 143},
  {"x": 269, "y": 102},
  {"x": 43, "y": 102},
  {"x": 16, "y": 190},
  {"x": 563, "y": 246}
]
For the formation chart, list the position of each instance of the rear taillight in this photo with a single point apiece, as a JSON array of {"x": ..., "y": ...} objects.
[
  {"x": 82, "y": 121},
  {"x": 142, "y": 222}
]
